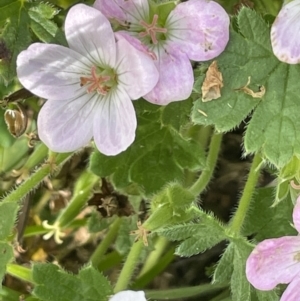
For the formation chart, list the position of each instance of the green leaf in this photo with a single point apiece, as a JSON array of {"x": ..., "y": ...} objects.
[
  {"x": 15, "y": 36},
  {"x": 240, "y": 287},
  {"x": 224, "y": 269},
  {"x": 7, "y": 294},
  {"x": 124, "y": 239},
  {"x": 265, "y": 221},
  {"x": 19, "y": 19},
  {"x": 97, "y": 223},
  {"x": 54, "y": 284},
  {"x": 272, "y": 129},
  {"x": 7, "y": 255},
  {"x": 94, "y": 285},
  {"x": 46, "y": 30},
  {"x": 10, "y": 157},
  {"x": 197, "y": 237},
  {"x": 159, "y": 153},
  {"x": 266, "y": 296},
  {"x": 8, "y": 214},
  {"x": 6, "y": 138},
  {"x": 46, "y": 10}
]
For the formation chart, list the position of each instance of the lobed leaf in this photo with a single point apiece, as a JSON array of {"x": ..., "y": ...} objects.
[
  {"x": 198, "y": 237},
  {"x": 265, "y": 221},
  {"x": 158, "y": 155},
  {"x": 54, "y": 284},
  {"x": 272, "y": 128}
]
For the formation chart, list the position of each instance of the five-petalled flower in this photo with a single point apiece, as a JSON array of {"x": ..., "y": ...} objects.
[
  {"x": 195, "y": 30},
  {"x": 277, "y": 260},
  {"x": 89, "y": 87}
]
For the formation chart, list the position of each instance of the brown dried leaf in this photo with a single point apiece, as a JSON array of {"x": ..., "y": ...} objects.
[
  {"x": 245, "y": 89},
  {"x": 213, "y": 82}
]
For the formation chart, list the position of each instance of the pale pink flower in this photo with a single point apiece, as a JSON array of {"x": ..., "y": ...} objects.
[
  {"x": 195, "y": 30},
  {"x": 89, "y": 87},
  {"x": 129, "y": 296},
  {"x": 285, "y": 33},
  {"x": 277, "y": 260}
]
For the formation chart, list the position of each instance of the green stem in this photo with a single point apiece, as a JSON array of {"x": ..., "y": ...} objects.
[
  {"x": 35, "y": 179},
  {"x": 129, "y": 266},
  {"x": 39, "y": 154},
  {"x": 82, "y": 191},
  {"x": 202, "y": 290},
  {"x": 110, "y": 236},
  {"x": 152, "y": 259},
  {"x": 19, "y": 272},
  {"x": 243, "y": 207},
  {"x": 155, "y": 270},
  {"x": 211, "y": 161}
]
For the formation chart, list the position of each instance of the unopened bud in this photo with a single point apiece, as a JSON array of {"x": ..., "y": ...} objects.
[{"x": 16, "y": 121}]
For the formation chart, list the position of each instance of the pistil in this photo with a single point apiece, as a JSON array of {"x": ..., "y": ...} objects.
[
  {"x": 152, "y": 29},
  {"x": 96, "y": 82}
]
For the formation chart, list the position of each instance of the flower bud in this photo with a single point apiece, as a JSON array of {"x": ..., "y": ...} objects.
[{"x": 16, "y": 121}]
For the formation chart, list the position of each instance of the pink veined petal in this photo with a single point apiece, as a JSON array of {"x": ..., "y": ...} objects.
[
  {"x": 274, "y": 261},
  {"x": 131, "y": 11},
  {"x": 200, "y": 28},
  {"x": 135, "y": 42},
  {"x": 176, "y": 78},
  {"x": 285, "y": 33},
  {"x": 111, "y": 9},
  {"x": 296, "y": 215},
  {"x": 136, "y": 70},
  {"x": 136, "y": 10},
  {"x": 129, "y": 296},
  {"x": 51, "y": 71},
  {"x": 292, "y": 292},
  {"x": 67, "y": 125},
  {"x": 115, "y": 123},
  {"x": 89, "y": 33}
]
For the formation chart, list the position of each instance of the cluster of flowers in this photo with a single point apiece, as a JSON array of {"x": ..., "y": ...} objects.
[{"x": 90, "y": 86}]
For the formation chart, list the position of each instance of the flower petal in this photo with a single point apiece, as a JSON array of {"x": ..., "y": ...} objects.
[
  {"x": 136, "y": 70},
  {"x": 135, "y": 42},
  {"x": 89, "y": 33},
  {"x": 111, "y": 9},
  {"x": 115, "y": 123},
  {"x": 176, "y": 78},
  {"x": 136, "y": 10},
  {"x": 296, "y": 215},
  {"x": 285, "y": 33},
  {"x": 274, "y": 261},
  {"x": 131, "y": 11},
  {"x": 129, "y": 296},
  {"x": 292, "y": 292},
  {"x": 200, "y": 28},
  {"x": 67, "y": 125},
  {"x": 51, "y": 71}
]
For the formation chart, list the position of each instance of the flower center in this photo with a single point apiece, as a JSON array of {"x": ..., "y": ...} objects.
[
  {"x": 152, "y": 29},
  {"x": 97, "y": 82}
]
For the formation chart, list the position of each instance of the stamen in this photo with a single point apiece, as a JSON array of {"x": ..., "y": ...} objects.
[
  {"x": 96, "y": 82},
  {"x": 152, "y": 29}
]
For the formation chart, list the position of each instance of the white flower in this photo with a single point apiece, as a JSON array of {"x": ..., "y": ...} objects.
[
  {"x": 89, "y": 86},
  {"x": 129, "y": 296}
]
